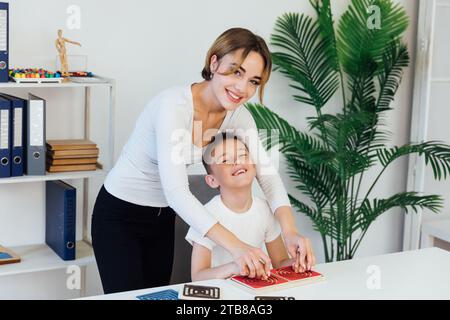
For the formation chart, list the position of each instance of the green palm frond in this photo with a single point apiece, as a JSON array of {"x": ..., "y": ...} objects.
[
  {"x": 361, "y": 48},
  {"x": 436, "y": 154},
  {"x": 371, "y": 210},
  {"x": 351, "y": 130},
  {"x": 327, "y": 164},
  {"x": 322, "y": 222},
  {"x": 354, "y": 145},
  {"x": 357, "y": 43},
  {"x": 394, "y": 59},
  {"x": 344, "y": 130},
  {"x": 304, "y": 59},
  {"x": 326, "y": 27},
  {"x": 362, "y": 88},
  {"x": 304, "y": 208},
  {"x": 268, "y": 120},
  {"x": 318, "y": 182},
  {"x": 354, "y": 163}
]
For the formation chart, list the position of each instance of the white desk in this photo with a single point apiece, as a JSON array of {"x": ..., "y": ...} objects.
[
  {"x": 431, "y": 230},
  {"x": 421, "y": 274}
]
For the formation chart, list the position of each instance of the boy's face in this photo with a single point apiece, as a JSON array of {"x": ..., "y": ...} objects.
[{"x": 231, "y": 166}]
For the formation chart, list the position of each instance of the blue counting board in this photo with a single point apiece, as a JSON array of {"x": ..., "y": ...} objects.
[
  {"x": 4, "y": 255},
  {"x": 160, "y": 295}
]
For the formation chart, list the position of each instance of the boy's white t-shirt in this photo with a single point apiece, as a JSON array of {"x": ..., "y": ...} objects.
[{"x": 254, "y": 227}]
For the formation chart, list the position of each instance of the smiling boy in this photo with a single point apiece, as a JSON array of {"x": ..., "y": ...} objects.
[{"x": 230, "y": 169}]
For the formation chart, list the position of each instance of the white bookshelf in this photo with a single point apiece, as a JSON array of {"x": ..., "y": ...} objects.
[
  {"x": 39, "y": 257},
  {"x": 55, "y": 176},
  {"x": 104, "y": 82}
]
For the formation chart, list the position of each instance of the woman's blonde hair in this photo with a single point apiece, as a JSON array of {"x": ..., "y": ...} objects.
[{"x": 239, "y": 38}]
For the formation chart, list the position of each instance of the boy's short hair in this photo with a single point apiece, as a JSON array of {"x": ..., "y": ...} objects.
[{"x": 218, "y": 138}]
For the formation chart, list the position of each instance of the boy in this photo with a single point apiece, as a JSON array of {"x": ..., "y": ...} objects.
[{"x": 230, "y": 169}]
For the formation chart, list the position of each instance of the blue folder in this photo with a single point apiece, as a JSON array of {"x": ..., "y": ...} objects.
[
  {"x": 18, "y": 134},
  {"x": 60, "y": 223},
  {"x": 4, "y": 42},
  {"x": 5, "y": 138}
]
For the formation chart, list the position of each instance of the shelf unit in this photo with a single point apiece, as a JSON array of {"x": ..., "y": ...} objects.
[
  {"x": 54, "y": 176},
  {"x": 39, "y": 257}
]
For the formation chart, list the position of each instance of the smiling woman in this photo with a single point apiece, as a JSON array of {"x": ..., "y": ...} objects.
[
  {"x": 232, "y": 49},
  {"x": 135, "y": 210}
]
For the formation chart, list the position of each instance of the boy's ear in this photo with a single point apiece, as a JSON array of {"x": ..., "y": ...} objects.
[{"x": 211, "y": 181}]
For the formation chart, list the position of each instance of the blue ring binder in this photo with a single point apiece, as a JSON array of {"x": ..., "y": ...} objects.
[{"x": 4, "y": 42}]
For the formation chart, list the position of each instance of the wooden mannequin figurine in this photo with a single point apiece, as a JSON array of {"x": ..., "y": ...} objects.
[{"x": 61, "y": 47}]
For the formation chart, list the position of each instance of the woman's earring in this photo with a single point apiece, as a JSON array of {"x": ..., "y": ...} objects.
[{"x": 211, "y": 76}]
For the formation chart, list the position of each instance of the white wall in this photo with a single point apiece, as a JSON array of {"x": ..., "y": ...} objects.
[{"x": 148, "y": 46}]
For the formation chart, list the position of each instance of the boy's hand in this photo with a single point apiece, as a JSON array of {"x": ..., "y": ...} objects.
[
  {"x": 235, "y": 270},
  {"x": 301, "y": 250},
  {"x": 252, "y": 262}
]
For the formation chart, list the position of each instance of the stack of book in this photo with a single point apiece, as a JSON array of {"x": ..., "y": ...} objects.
[{"x": 71, "y": 155}]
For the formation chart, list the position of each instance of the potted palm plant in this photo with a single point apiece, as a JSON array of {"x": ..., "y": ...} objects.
[{"x": 363, "y": 65}]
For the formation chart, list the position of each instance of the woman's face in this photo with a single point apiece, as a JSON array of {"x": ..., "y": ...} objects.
[{"x": 237, "y": 88}]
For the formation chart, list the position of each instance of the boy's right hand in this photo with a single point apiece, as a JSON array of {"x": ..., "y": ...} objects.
[
  {"x": 252, "y": 262},
  {"x": 235, "y": 270}
]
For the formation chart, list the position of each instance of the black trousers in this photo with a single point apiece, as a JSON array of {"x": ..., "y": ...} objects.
[{"x": 133, "y": 244}]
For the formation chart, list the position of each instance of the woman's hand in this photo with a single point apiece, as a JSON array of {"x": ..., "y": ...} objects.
[
  {"x": 301, "y": 250},
  {"x": 298, "y": 247},
  {"x": 252, "y": 262}
]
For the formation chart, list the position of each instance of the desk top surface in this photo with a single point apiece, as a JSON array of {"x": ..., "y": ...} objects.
[{"x": 419, "y": 274}]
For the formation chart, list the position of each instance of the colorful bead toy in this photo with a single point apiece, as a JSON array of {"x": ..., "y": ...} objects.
[
  {"x": 41, "y": 75},
  {"x": 33, "y": 73}
]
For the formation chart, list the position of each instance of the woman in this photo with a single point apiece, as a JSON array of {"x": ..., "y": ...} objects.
[{"x": 134, "y": 215}]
